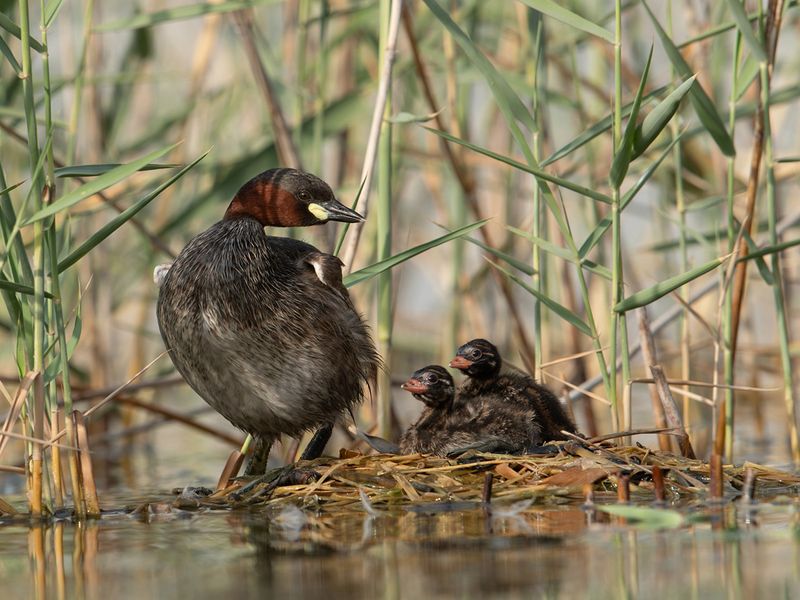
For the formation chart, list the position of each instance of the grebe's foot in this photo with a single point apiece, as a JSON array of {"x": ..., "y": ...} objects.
[
  {"x": 545, "y": 449},
  {"x": 491, "y": 445},
  {"x": 275, "y": 478}
]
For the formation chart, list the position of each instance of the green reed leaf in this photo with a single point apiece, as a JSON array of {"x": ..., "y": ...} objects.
[
  {"x": 565, "y": 183},
  {"x": 102, "y": 182},
  {"x": 703, "y": 106},
  {"x": 594, "y": 130},
  {"x": 506, "y": 98},
  {"x": 391, "y": 262},
  {"x": 100, "y": 169},
  {"x": 6, "y": 51},
  {"x": 624, "y": 153},
  {"x": 597, "y": 233},
  {"x": 504, "y": 256},
  {"x": 558, "y": 12},
  {"x": 563, "y": 253},
  {"x": 761, "y": 264},
  {"x": 562, "y": 311},
  {"x": 51, "y": 10},
  {"x": 658, "y": 118},
  {"x": 19, "y": 288},
  {"x": 662, "y": 288},
  {"x": 747, "y": 74},
  {"x": 746, "y": 29},
  {"x": 106, "y": 230},
  {"x": 12, "y": 28}
]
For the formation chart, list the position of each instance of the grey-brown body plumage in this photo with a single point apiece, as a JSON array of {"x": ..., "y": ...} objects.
[
  {"x": 259, "y": 335},
  {"x": 487, "y": 423},
  {"x": 516, "y": 390},
  {"x": 488, "y": 376},
  {"x": 483, "y": 425}
]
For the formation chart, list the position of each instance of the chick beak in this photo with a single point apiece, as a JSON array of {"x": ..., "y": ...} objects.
[
  {"x": 460, "y": 363},
  {"x": 414, "y": 386}
]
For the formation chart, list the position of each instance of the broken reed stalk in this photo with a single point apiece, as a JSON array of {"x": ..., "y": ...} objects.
[
  {"x": 486, "y": 495},
  {"x": 651, "y": 360},
  {"x": 230, "y": 470},
  {"x": 623, "y": 487},
  {"x": 87, "y": 474},
  {"x": 715, "y": 477},
  {"x": 671, "y": 413},
  {"x": 588, "y": 494},
  {"x": 658, "y": 484},
  {"x": 749, "y": 486}
]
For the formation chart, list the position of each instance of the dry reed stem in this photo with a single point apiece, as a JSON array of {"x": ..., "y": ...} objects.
[
  {"x": 771, "y": 31},
  {"x": 650, "y": 360},
  {"x": 671, "y": 413},
  {"x": 287, "y": 152},
  {"x": 16, "y": 408},
  {"x": 230, "y": 470},
  {"x": 36, "y": 474},
  {"x": 117, "y": 391},
  {"x": 371, "y": 152},
  {"x": 56, "y": 466},
  {"x": 87, "y": 474}
]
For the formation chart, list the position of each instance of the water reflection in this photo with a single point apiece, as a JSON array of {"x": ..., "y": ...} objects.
[{"x": 551, "y": 551}]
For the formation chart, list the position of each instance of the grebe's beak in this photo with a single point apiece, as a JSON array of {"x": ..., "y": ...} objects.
[
  {"x": 415, "y": 386},
  {"x": 333, "y": 210},
  {"x": 460, "y": 363}
]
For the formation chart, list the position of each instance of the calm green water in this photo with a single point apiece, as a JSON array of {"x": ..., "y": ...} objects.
[{"x": 554, "y": 551}]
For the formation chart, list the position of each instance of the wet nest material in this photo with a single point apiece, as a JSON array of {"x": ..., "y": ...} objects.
[{"x": 360, "y": 482}]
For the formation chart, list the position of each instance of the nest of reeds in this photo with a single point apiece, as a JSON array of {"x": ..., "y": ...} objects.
[{"x": 576, "y": 470}]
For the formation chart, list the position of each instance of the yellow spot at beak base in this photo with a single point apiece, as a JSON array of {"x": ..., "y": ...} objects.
[{"x": 318, "y": 211}]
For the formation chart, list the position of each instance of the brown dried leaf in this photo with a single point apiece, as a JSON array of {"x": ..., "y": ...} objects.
[
  {"x": 505, "y": 471},
  {"x": 575, "y": 477}
]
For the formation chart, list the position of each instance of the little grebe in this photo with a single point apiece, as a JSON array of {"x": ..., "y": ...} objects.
[
  {"x": 261, "y": 327},
  {"x": 446, "y": 427},
  {"x": 487, "y": 375}
]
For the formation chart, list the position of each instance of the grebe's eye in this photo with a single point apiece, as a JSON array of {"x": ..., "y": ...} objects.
[{"x": 304, "y": 195}]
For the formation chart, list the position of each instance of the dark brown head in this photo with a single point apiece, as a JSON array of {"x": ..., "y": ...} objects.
[
  {"x": 289, "y": 198},
  {"x": 432, "y": 385},
  {"x": 478, "y": 358}
]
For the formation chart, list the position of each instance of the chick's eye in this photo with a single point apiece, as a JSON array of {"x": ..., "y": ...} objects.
[
  {"x": 475, "y": 354},
  {"x": 432, "y": 379}
]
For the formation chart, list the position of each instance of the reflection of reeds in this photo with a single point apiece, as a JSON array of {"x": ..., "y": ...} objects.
[{"x": 516, "y": 101}]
